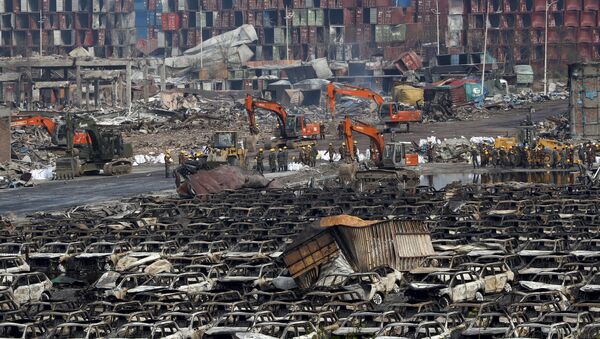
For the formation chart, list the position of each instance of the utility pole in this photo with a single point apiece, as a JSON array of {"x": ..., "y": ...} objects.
[
  {"x": 548, "y": 5},
  {"x": 437, "y": 21},
  {"x": 288, "y": 17},
  {"x": 201, "y": 40},
  {"x": 41, "y": 27},
  {"x": 484, "y": 50}
]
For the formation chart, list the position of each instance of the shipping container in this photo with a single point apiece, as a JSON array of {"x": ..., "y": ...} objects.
[{"x": 584, "y": 108}]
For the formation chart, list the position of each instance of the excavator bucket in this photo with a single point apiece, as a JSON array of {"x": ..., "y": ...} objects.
[{"x": 67, "y": 168}]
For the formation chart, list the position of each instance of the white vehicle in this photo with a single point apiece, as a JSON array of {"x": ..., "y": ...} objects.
[
  {"x": 371, "y": 286},
  {"x": 451, "y": 286},
  {"x": 275, "y": 330},
  {"x": 24, "y": 330},
  {"x": 497, "y": 277},
  {"x": 26, "y": 287},
  {"x": 566, "y": 282},
  {"x": 114, "y": 284},
  {"x": 161, "y": 329},
  {"x": 13, "y": 265},
  {"x": 192, "y": 283}
]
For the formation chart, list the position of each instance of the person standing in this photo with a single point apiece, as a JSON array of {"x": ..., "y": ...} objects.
[
  {"x": 168, "y": 163},
  {"x": 331, "y": 152},
  {"x": 285, "y": 158},
  {"x": 259, "y": 161},
  {"x": 280, "y": 161},
  {"x": 313, "y": 155},
  {"x": 355, "y": 150},
  {"x": 340, "y": 129},
  {"x": 554, "y": 158},
  {"x": 474, "y": 157},
  {"x": 322, "y": 130},
  {"x": 342, "y": 151},
  {"x": 430, "y": 152},
  {"x": 272, "y": 160}
]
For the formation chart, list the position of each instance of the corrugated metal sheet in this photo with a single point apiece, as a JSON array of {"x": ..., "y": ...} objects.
[{"x": 400, "y": 244}]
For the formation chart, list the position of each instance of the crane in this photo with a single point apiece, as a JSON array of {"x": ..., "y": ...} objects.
[
  {"x": 55, "y": 130},
  {"x": 390, "y": 113},
  {"x": 291, "y": 126}
]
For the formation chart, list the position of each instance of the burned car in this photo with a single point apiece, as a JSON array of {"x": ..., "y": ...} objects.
[
  {"x": 26, "y": 287},
  {"x": 449, "y": 287}
]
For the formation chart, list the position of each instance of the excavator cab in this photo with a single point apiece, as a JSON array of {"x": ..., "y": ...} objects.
[
  {"x": 394, "y": 154},
  {"x": 224, "y": 140},
  {"x": 298, "y": 126}
]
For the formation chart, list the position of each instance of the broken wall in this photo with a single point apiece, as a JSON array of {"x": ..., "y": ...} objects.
[{"x": 4, "y": 135}]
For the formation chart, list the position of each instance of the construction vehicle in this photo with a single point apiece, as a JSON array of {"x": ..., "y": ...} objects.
[
  {"x": 391, "y": 158},
  {"x": 392, "y": 114},
  {"x": 292, "y": 128},
  {"x": 105, "y": 151},
  {"x": 526, "y": 136},
  {"x": 225, "y": 149},
  {"x": 57, "y": 131}
]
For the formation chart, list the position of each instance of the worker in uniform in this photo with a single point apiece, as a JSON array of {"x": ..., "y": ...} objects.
[
  {"x": 342, "y": 151},
  {"x": 429, "y": 151},
  {"x": 182, "y": 157},
  {"x": 301, "y": 155},
  {"x": 322, "y": 130},
  {"x": 591, "y": 155},
  {"x": 331, "y": 152},
  {"x": 554, "y": 158},
  {"x": 571, "y": 155},
  {"x": 259, "y": 161},
  {"x": 474, "y": 156},
  {"x": 581, "y": 154},
  {"x": 280, "y": 160},
  {"x": 501, "y": 156},
  {"x": 563, "y": 158},
  {"x": 285, "y": 158},
  {"x": 313, "y": 155},
  {"x": 168, "y": 163},
  {"x": 526, "y": 157},
  {"x": 355, "y": 150},
  {"x": 272, "y": 160}
]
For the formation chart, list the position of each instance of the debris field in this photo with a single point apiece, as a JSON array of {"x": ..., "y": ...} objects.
[{"x": 497, "y": 260}]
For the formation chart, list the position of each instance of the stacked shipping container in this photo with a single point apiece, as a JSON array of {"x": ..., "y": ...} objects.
[
  {"x": 105, "y": 27},
  {"x": 338, "y": 29},
  {"x": 516, "y": 31}
]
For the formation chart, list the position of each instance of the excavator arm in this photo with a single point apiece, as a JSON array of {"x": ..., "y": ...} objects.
[
  {"x": 41, "y": 121},
  {"x": 252, "y": 104},
  {"x": 79, "y": 138},
  {"x": 353, "y": 91},
  {"x": 365, "y": 129}
]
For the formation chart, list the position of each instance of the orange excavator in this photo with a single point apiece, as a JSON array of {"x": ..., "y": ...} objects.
[
  {"x": 391, "y": 158},
  {"x": 292, "y": 127},
  {"x": 390, "y": 113},
  {"x": 56, "y": 131}
]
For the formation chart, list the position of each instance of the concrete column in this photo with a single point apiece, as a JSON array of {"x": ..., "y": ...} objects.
[
  {"x": 4, "y": 135},
  {"x": 128, "y": 85},
  {"x": 146, "y": 83},
  {"x": 87, "y": 95},
  {"x": 96, "y": 92},
  {"x": 18, "y": 92},
  {"x": 163, "y": 77},
  {"x": 78, "y": 90},
  {"x": 113, "y": 93}
]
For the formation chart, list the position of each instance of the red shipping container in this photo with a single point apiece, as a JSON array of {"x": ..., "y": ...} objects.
[
  {"x": 383, "y": 3},
  {"x": 571, "y": 19},
  {"x": 585, "y": 52},
  {"x": 89, "y": 38},
  {"x": 349, "y": 16},
  {"x": 553, "y": 35},
  {"x": 349, "y": 3},
  {"x": 585, "y": 35},
  {"x": 570, "y": 34},
  {"x": 538, "y": 20},
  {"x": 588, "y": 19},
  {"x": 573, "y": 5},
  {"x": 590, "y": 5}
]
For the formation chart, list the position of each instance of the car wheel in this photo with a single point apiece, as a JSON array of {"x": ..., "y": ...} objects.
[
  {"x": 507, "y": 288},
  {"x": 444, "y": 302},
  {"x": 45, "y": 296},
  {"x": 396, "y": 288},
  {"x": 377, "y": 299},
  {"x": 478, "y": 296}
]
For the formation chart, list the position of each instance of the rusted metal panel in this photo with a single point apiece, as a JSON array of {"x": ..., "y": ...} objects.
[{"x": 308, "y": 254}]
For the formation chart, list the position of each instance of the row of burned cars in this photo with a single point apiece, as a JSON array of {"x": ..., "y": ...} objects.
[{"x": 509, "y": 262}]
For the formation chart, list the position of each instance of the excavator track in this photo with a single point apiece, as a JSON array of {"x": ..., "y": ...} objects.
[{"x": 118, "y": 167}]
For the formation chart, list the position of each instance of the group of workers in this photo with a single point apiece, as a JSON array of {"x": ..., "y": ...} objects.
[
  {"x": 534, "y": 157},
  {"x": 278, "y": 160},
  {"x": 182, "y": 158}
]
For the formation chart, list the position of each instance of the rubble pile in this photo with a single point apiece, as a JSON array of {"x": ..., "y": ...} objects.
[
  {"x": 556, "y": 127},
  {"x": 525, "y": 97},
  {"x": 223, "y": 265}
]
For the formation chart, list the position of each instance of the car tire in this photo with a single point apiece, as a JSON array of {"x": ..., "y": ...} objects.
[
  {"x": 45, "y": 296},
  {"x": 444, "y": 302},
  {"x": 377, "y": 299}
]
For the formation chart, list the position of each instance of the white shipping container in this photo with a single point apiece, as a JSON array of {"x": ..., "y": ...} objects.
[
  {"x": 373, "y": 16},
  {"x": 165, "y": 6},
  {"x": 319, "y": 17},
  {"x": 181, "y": 5},
  {"x": 60, "y": 5},
  {"x": 161, "y": 39},
  {"x": 279, "y": 35},
  {"x": 24, "y": 6},
  {"x": 2, "y": 7}
]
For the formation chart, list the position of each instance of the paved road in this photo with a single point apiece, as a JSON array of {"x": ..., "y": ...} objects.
[{"x": 61, "y": 194}]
